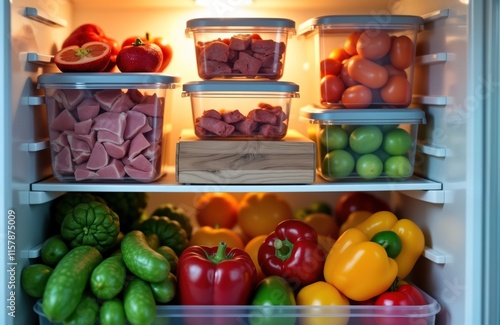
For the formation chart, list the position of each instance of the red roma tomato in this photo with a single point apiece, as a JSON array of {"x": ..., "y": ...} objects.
[
  {"x": 373, "y": 44},
  {"x": 402, "y": 52},
  {"x": 331, "y": 89},
  {"x": 357, "y": 96},
  {"x": 392, "y": 71},
  {"x": 397, "y": 91},
  {"x": 339, "y": 54},
  {"x": 346, "y": 78},
  {"x": 367, "y": 72},
  {"x": 357, "y": 201},
  {"x": 330, "y": 66},
  {"x": 350, "y": 43}
]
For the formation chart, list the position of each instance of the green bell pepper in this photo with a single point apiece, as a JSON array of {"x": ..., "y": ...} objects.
[{"x": 272, "y": 292}]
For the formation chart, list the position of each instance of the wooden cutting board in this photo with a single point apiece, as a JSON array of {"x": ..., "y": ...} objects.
[{"x": 291, "y": 160}]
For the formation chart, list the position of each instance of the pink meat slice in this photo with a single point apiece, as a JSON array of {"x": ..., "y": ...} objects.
[
  {"x": 62, "y": 162},
  {"x": 83, "y": 127},
  {"x": 88, "y": 109},
  {"x": 117, "y": 151},
  {"x": 150, "y": 109},
  {"x": 135, "y": 95},
  {"x": 98, "y": 158},
  {"x": 106, "y": 136},
  {"x": 135, "y": 122},
  {"x": 122, "y": 104},
  {"x": 156, "y": 131},
  {"x": 138, "y": 143},
  {"x": 89, "y": 138},
  {"x": 114, "y": 170},
  {"x": 77, "y": 145},
  {"x": 70, "y": 98},
  {"x": 140, "y": 175},
  {"x": 112, "y": 122},
  {"x": 65, "y": 121},
  {"x": 153, "y": 152},
  {"x": 106, "y": 97},
  {"x": 60, "y": 142},
  {"x": 142, "y": 163},
  {"x": 82, "y": 173},
  {"x": 80, "y": 157}
]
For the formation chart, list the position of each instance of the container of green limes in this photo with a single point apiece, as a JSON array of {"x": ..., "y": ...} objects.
[{"x": 366, "y": 144}]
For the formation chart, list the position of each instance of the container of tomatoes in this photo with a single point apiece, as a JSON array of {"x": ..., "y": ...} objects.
[
  {"x": 363, "y": 61},
  {"x": 366, "y": 144}
]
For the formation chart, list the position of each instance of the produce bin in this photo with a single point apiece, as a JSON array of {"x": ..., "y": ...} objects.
[
  {"x": 361, "y": 61},
  {"x": 290, "y": 315},
  {"x": 240, "y": 110},
  {"x": 240, "y": 47},
  {"x": 107, "y": 126},
  {"x": 365, "y": 144}
]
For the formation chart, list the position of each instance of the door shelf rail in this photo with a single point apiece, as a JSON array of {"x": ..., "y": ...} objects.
[
  {"x": 44, "y": 18},
  {"x": 428, "y": 59},
  {"x": 37, "y": 58}
]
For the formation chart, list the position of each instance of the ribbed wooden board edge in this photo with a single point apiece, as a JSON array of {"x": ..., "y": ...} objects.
[{"x": 290, "y": 160}]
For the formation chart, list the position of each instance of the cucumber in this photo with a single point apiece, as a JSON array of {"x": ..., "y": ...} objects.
[
  {"x": 108, "y": 278},
  {"x": 139, "y": 303},
  {"x": 112, "y": 313},
  {"x": 164, "y": 291},
  {"x": 142, "y": 260},
  {"x": 153, "y": 241},
  {"x": 85, "y": 312},
  {"x": 34, "y": 279},
  {"x": 68, "y": 281},
  {"x": 171, "y": 257}
]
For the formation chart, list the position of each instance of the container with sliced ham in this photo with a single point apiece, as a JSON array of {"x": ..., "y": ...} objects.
[
  {"x": 235, "y": 48},
  {"x": 240, "y": 110},
  {"x": 107, "y": 126}
]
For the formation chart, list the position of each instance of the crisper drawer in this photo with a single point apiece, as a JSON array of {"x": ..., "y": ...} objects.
[{"x": 291, "y": 315}]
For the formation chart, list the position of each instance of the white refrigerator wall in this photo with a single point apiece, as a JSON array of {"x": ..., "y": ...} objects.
[{"x": 450, "y": 85}]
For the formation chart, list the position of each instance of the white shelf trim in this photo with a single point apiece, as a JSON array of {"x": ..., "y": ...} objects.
[
  {"x": 430, "y": 150},
  {"x": 436, "y": 15},
  {"x": 430, "y": 196},
  {"x": 35, "y": 146},
  {"x": 434, "y": 256},
  {"x": 42, "y": 17},
  {"x": 37, "y": 58},
  {"x": 433, "y": 58},
  {"x": 431, "y": 100}
]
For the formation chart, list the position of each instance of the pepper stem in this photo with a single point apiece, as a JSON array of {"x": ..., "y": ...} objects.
[
  {"x": 220, "y": 255},
  {"x": 283, "y": 248}
]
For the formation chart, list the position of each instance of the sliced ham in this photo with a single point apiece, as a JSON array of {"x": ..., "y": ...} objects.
[
  {"x": 59, "y": 143},
  {"x": 82, "y": 173},
  {"x": 80, "y": 157},
  {"x": 65, "y": 121},
  {"x": 83, "y": 127},
  {"x": 89, "y": 138},
  {"x": 77, "y": 145},
  {"x": 117, "y": 151},
  {"x": 106, "y": 136},
  {"x": 122, "y": 104},
  {"x": 114, "y": 170},
  {"x": 112, "y": 122},
  {"x": 140, "y": 175},
  {"x": 142, "y": 163},
  {"x": 98, "y": 158},
  {"x": 62, "y": 162},
  {"x": 88, "y": 109},
  {"x": 138, "y": 143},
  {"x": 106, "y": 97},
  {"x": 135, "y": 122},
  {"x": 70, "y": 98}
]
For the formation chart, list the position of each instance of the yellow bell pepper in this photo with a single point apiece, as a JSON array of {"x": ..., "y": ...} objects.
[
  {"x": 322, "y": 293},
  {"x": 354, "y": 219},
  {"x": 412, "y": 238},
  {"x": 359, "y": 268}
]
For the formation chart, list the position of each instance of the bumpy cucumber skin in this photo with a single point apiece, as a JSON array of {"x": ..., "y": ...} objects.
[
  {"x": 108, "y": 278},
  {"x": 112, "y": 313},
  {"x": 85, "y": 313},
  {"x": 139, "y": 303},
  {"x": 164, "y": 291},
  {"x": 68, "y": 281},
  {"x": 142, "y": 260}
]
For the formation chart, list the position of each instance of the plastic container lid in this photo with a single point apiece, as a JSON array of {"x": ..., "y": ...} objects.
[
  {"x": 240, "y": 24},
  {"x": 387, "y": 21},
  {"x": 240, "y": 86},
  {"x": 368, "y": 116},
  {"x": 93, "y": 80}
]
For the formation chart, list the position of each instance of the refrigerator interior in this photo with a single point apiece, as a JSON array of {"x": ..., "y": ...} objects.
[{"x": 456, "y": 83}]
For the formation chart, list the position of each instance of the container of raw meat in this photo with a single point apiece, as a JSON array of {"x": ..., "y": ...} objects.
[
  {"x": 240, "y": 47},
  {"x": 240, "y": 110},
  {"x": 107, "y": 126}
]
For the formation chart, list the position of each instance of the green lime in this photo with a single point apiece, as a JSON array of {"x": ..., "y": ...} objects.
[
  {"x": 34, "y": 278},
  {"x": 53, "y": 249}
]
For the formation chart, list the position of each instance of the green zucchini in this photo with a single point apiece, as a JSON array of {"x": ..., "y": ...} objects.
[
  {"x": 66, "y": 285},
  {"x": 112, "y": 313},
  {"x": 139, "y": 303},
  {"x": 171, "y": 257},
  {"x": 165, "y": 290},
  {"x": 142, "y": 260},
  {"x": 85, "y": 312},
  {"x": 108, "y": 278}
]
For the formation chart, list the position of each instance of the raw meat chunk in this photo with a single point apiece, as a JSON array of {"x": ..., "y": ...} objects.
[
  {"x": 63, "y": 163},
  {"x": 247, "y": 64},
  {"x": 106, "y": 97},
  {"x": 114, "y": 170},
  {"x": 142, "y": 163},
  {"x": 98, "y": 158},
  {"x": 122, "y": 104},
  {"x": 246, "y": 127},
  {"x": 140, "y": 175},
  {"x": 211, "y": 69},
  {"x": 135, "y": 122},
  {"x": 272, "y": 131},
  {"x": 117, "y": 151},
  {"x": 137, "y": 144},
  {"x": 64, "y": 121},
  {"x": 112, "y": 122},
  {"x": 262, "y": 116},
  {"x": 70, "y": 98},
  {"x": 215, "y": 51},
  {"x": 240, "y": 42},
  {"x": 60, "y": 142},
  {"x": 83, "y": 127},
  {"x": 82, "y": 173},
  {"x": 232, "y": 116},
  {"x": 88, "y": 109},
  {"x": 268, "y": 46},
  {"x": 216, "y": 126},
  {"x": 212, "y": 113}
]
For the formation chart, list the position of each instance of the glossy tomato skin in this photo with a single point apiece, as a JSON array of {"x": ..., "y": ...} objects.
[
  {"x": 344, "y": 75},
  {"x": 339, "y": 54},
  {"x": 162, "y": 43},
  {"x": 392, "y": 71},
  {"x": 402, "y": 52},
  {"x": 357, "y": 96},
  {"x": 350, "y": 43},
  {"x": 373, "y": 44},
  {"x": 396, "y": 91},
  {"x": 144, "y": 57},
  {"x": 332, "y": 88},
  {"x": 367, "y": 72},
  {"x": 330, "y": 66},
  {"x": 357, "y": 201},
  {"x": 404, "y": 295}
]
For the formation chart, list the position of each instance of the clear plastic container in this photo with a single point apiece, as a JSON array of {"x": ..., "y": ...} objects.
[
  {"x": 107, "y": 126},
  {"x": 240, "y": 110},
  {"x": 240, "y": 47},
  {"x": 290, "y": 315},
  {"x": 362, "y": 61},
  {"x": 366, "y": 144}
]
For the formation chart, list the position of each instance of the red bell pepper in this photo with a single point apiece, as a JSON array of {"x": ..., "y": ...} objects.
[
  {"x": 215, "y": 275},
  {"x": 403, "y": 294},
  {"x": 292, "y": 252}
]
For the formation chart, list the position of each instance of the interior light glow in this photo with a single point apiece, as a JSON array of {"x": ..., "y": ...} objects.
[{"x": 230, "y": 3}]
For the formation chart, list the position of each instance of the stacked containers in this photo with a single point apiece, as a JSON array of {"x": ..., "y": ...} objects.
[
  {"x": 240, "y": 61},
  {"x": 363, "y": 70}
]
